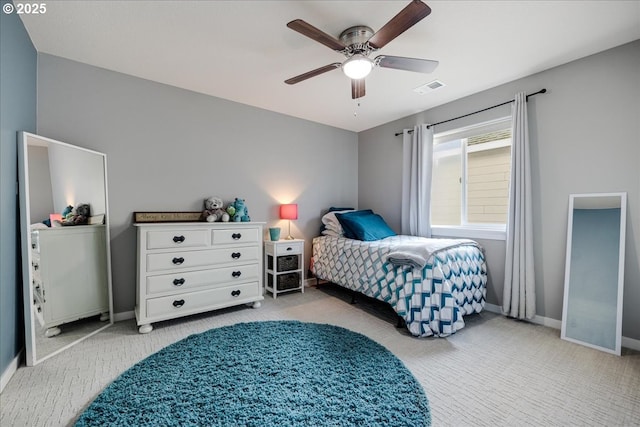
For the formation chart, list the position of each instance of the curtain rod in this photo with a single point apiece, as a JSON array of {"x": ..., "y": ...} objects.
[{"x": 476, "y": 112}]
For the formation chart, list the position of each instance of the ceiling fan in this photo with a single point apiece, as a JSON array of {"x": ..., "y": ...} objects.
[{"x": 358, "y": 42}]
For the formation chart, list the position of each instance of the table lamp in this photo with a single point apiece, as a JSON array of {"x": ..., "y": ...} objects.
[{"x": 289, "y": 211}]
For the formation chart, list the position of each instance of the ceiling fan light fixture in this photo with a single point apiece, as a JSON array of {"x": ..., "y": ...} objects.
[{"x": 357, "y": 67}]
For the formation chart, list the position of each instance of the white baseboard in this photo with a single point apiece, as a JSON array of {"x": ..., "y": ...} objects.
[
  {"x": 11, "y": 369},
  {"x": 557, "y": 324},
  {"x": 631, "y": 343},
  {"x": 539, "y": 320},
  {"x": 492, "y": 308},
  {"x": 124, "y": 315}
]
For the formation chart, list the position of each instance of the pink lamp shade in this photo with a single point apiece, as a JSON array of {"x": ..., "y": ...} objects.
[
  {"x": 289, "y": 211},
  {"x": 55, "y": 217}
]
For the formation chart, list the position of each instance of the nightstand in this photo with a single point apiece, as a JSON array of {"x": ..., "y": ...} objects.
[{"x": 283, "y": 266}]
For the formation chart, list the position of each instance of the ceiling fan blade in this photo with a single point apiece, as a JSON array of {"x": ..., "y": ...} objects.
[
  {"x": 312, "y": 73},
  {"x": 312, "y": 32},
  {"x": 408, "y": 17},
  {"x": 408, "y": 64},
  {"x": 357, "y": 88}
]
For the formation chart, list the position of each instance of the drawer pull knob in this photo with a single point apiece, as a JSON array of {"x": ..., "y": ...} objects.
[
  {"x": 178, "y": 239},
  {"x": 236, "y": 236},
  {"x": 289, "y": 248},
  {"x": 235, "y": 255},
  {"x": 235, "y": 293},
  {"x": 236, "y": 273},
  {"x": 178, "y": 261},
  {"x": 178, "y": 303},
  {"x": 178, "y": 282}
]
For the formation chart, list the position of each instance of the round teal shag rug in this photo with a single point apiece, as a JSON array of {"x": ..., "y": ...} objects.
[{"x": 275, "y": 373}]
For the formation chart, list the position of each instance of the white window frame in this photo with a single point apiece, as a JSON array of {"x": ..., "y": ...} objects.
[{"x": 475, "y": 230}]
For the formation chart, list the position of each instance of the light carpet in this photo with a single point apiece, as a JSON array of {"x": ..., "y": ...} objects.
[{"x": 494, "y": 372}]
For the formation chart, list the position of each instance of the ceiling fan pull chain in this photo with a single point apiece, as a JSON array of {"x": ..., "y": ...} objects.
[{"x": 355, "y": 111}]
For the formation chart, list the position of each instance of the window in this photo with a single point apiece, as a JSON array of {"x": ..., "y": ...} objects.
[{"x": 470, "y": 184}]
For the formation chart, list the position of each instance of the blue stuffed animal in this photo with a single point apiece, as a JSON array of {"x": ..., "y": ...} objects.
[{"x": 241, "y": 213}]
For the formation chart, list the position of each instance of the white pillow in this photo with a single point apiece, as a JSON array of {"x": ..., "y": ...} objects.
[
  {"x": 331, "y": 222},
  {"x": 327, "y": 232}
]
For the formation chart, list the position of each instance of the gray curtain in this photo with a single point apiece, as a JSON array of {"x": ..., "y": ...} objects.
[
  {"x": 417, "y": 163},
  {"x": 519, "y": 296}
]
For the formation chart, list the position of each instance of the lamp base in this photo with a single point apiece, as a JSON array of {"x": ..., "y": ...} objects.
[{"x": 289, "y": 237}]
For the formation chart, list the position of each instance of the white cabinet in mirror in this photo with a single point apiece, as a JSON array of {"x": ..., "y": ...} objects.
[
  {"x": 66, "y": 262},
  {"x": 594, "y": 271}
]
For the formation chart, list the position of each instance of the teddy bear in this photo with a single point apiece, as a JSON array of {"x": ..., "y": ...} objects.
[
  {"x": 241, "y": 213},
  {"x": 78, "y": 216},
  {"x": 213, "y": 210}
]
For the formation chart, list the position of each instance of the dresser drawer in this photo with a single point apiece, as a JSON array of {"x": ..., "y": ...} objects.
[
  {"x": 35, "y": 242},
  {"x": 292, "y": 248},
  {"x": 205, "y": 258},
  {"x": 178, "y": 239},
  {"x": 193, "y": 302},
  {"x": 35, "y": 261},
  {"x": 221, "y": 237},
  {"x": 188, "y": 281}
]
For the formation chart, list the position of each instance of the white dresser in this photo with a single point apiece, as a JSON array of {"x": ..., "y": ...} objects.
[
  {"x": 193, "y": 267},
  {"x": 69, "y": 275}
]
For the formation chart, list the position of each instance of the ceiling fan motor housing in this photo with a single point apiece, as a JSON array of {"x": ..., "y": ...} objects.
[{"x": 356, "y": 38}]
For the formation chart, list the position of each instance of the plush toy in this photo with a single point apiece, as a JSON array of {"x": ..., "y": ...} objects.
[
  {"x": 246, "y": 217},
  {"x": 78, "y": 216},
  {"x": 241, "y": 213},
  {"x": 213, "y": 210},
  {"x": 231, "y": 210},
  {"x": 67, "y": 211},
  {"x": 83, "y": 210}
]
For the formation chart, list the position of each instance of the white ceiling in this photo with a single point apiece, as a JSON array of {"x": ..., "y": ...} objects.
[{"x": 243, "y": 51}]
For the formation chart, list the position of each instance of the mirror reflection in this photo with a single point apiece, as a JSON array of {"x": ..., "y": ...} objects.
[
  {"x": 65, "y": 239},
  {"x": 594, "y": 275}
]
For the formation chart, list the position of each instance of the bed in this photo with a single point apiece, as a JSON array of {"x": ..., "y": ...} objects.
[{"x": 430, "y": 283}]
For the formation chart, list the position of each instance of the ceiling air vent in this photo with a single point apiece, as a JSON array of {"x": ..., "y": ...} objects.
[{"x": 429, "y": 87}]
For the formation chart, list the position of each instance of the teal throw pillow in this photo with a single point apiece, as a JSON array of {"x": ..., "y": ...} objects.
[{"x": 364, "y": 225}]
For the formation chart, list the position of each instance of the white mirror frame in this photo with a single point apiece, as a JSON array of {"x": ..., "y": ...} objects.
[
  {"x": 28, "y": 296},
  {"x": 570, "y": 314}
]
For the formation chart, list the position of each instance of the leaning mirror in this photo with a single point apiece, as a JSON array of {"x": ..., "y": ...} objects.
[
  {"x": 66, "y": 265},
  {"x": 594, "y": 271}
]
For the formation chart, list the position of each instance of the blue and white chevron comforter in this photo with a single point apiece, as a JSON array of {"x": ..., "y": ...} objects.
[{"x": 431, "y": 300}]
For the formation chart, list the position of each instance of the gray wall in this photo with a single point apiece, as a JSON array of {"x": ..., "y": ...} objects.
[
  {"x": 40, "y": 193},
  {"x": 17, "y": 112},
  {"x": 584, "y": 136},
  {"x": 77, "y": 177},
  {"x": 168, "y": 148}
]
